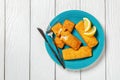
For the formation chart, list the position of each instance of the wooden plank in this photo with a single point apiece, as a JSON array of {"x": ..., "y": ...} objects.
[
  {"x": 63, "y": 5},
  {"x": 96, "y": 8},
  {"x": 113, "y": 39},
  {"x": 42, "y": 66},
  {"x": 1, "y": 39},
  {"x": 17, "y": 40}
]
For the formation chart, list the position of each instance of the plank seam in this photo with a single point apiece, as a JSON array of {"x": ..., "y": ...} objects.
[
  {"x": 30, "y": 40},
  {"x": 4, "y": 37}
]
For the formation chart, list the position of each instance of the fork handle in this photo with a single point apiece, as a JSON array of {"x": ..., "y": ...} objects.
[{"x": 42, "y": 33}]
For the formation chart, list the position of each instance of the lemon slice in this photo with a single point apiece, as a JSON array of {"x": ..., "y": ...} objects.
[
  {"x": 87, "y": 24},
  {"x": 91, "y": 32}
]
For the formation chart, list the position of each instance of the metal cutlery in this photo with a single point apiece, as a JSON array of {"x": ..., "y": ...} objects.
[
  {"x": 50, "y": 33},
  {"x": 55, "y": 54}
]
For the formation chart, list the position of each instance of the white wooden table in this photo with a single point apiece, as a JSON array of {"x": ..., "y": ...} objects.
[{"x": 22, "y": 52}]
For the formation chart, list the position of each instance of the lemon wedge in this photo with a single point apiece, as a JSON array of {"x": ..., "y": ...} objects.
[
  {"x": 87, "y": 24},
  {"x": 91, "y": 32}
]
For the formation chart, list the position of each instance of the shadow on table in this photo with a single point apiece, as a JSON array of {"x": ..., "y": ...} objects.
[{"x": 95, "y": 64}]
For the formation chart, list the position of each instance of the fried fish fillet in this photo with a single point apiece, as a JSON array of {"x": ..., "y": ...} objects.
[
  {"x": 82, "y": 52},
  {"x": 91, "y": 41},
  {"x": 70, "y": 40},
  {"x": 57, "y": 29},
  {"x": 59, "y": 43},
  {"x": 68, "y": 25}
]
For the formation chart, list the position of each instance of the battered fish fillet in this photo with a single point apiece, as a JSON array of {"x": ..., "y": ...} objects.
[
  {"x": 91, "y": 41},
  {"x": 57, "y": 29},
  {"x": 70, "y": 40},
  {"x": 59, "y": 43},
  {"x": 68, "y": 25},
  {"x": 82, "y": 52}
]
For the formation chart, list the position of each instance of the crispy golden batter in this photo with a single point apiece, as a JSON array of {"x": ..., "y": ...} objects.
[
  {"x": 83, "y": 52},
  {"x": 70, "y": 40},
  {"x": 68, "y": 25},
  {"x": 57, "y": 29},
  {"x": 91, "y": 41},
  {"x": 59, "y": 43}
]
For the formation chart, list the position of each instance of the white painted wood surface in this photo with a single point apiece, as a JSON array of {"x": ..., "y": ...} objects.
[
  {"x": 113, "y": 39},
  {"x": 23, "y": 48},
  {"x": 42, "y": 67},
  {"x": 1, "y": 39},
  {"x": 17, "y": 40}
]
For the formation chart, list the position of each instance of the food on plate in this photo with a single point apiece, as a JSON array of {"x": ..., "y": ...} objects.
[
  {"x": 82, "y": 52},
  {"x": 57, "y": 29},
  {"x": 90, "y": 40},
  {"x": 91, "y": 32},
  {"x": 87, "y": 24},
  {"x": 68, "y": 25},
  {"x": 59, "y": 43},
  {"x": 63, "y": 36},
  {"x": 70, "y": 40}
]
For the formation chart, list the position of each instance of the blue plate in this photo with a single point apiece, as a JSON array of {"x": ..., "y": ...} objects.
[{"x": 75, "y": 16}]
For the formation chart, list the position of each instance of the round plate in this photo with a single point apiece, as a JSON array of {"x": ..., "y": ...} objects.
[{"x": 75, "y": 16}]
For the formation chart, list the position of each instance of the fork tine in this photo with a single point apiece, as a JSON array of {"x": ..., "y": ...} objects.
[{"x": 50, "y": 34}]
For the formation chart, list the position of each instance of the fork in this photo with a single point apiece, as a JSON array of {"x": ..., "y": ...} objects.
[
  {"x": 55, "y": 54},
  {"x": 50, "y": 33}
]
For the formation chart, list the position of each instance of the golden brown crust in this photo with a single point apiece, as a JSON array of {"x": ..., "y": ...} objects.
[
  {"x": 91, "y": 41},
  {"x": 83, "y": 52},
  {"x": 59, "y": 43},
  {"x": 57, "y": 28},
  {"x": 70, "y": 40},
  {"x": 68, "y": 25}
]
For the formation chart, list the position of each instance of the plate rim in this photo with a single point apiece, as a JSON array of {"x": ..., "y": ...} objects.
[{"x": 102, "y": 49}]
